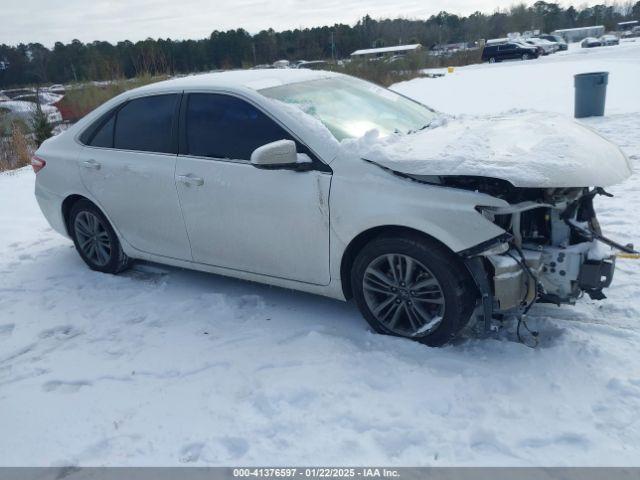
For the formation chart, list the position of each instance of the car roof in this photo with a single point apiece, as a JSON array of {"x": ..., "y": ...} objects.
[{"x": 253, "y": 79}]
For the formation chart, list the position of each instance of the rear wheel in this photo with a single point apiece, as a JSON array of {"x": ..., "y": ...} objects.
[
  {"x": 412, "y": 288},
  {"x": 492, "y": 60},
  {"x": 525, "y": 56},
  {"x": 95, "y": 240}
]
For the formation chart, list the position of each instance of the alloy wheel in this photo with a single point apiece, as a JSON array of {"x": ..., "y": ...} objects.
[
  {"x": 403, "y": 295},
  {"x": 93, "y": 238}
]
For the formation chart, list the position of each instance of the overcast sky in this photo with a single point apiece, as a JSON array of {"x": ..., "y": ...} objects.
[{"x": 48, "y": 21}]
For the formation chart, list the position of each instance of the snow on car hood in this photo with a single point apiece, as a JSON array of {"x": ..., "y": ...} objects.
[{"x": 528, "y": 149}]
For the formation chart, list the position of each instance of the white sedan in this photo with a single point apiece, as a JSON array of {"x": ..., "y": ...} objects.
[
  {"x": 608, "y": 40},
  {"x": 546, "y": 46},
  {"x": 591, "y": 42},
  {"x": 324, "y": 183}
]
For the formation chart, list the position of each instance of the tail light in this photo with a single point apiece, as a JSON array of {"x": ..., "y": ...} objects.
[{"x": 38, "y": 163}]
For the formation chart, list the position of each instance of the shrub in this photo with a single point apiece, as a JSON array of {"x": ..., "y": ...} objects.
[
  {"x": 384, "y": 72},
  {"x": 40, "y": 125},
  {"x": 80, "y": 99},
  {"x": 16, "y": 148}
]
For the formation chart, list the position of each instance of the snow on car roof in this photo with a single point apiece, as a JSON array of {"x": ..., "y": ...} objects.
[
  {"x": 254, "y": 79},
  {"x": 576, "y": 29}
]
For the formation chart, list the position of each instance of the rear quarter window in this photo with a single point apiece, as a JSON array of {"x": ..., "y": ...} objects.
[{"x": 104, "y": 136}]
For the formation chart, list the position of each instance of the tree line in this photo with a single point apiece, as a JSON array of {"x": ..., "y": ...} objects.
[{"x": 34, "y": 63}]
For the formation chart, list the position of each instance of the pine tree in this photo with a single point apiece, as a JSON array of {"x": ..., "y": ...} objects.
[{"x": 40, "y": 125}]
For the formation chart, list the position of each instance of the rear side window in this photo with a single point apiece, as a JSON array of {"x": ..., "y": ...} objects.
[
  {"x": 145, "y": 124},
  {"x": 221, "y": 126},
  {"x": 104, "y": 136}
]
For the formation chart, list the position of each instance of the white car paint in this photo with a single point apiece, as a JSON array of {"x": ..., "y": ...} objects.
[
  {"x": 258, "y": 221},
  {"x": 151, "y": 221},
  {"x": 285, "y": 234},
  {"x": 280, "y": 227}
]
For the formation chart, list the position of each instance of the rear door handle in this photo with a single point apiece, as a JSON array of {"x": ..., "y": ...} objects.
[
  {"x": 92, "y": 164},
  {"x": 190, "y": 180}
]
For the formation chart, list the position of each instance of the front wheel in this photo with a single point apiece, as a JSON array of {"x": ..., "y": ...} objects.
[
  {"x": 413, "y": 288},
  {"x": 525, "y": 56},
  {"x": 492, "y": 60},
  {"x": 95, "y": 240}
]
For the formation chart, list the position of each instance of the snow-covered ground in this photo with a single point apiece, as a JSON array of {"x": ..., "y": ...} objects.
[
  {"x": 161, "y": 366},
  {"x": 545, "y": 83}
]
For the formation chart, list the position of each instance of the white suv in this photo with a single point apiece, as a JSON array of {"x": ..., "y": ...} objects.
[{"x": 320, "y": 182}]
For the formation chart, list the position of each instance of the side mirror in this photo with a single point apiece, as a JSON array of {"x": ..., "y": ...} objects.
[{"x": 279, "y": 154}]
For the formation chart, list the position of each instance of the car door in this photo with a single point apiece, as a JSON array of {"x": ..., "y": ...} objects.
[
  {"x": 269, "y": 222},
  {"x": 507, "y": 51},
  {"x": 128, "y": 166}
]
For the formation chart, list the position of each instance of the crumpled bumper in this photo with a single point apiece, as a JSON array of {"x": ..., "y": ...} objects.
[{"x": 553, "y": 275}]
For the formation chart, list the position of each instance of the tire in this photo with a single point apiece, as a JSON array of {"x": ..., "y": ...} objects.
[
  {"x": 525, "y": 56},
  {"x": 431, "y": 305},
  {"x": 95, "y": 240},
  {"x": 492, "y": 60}
]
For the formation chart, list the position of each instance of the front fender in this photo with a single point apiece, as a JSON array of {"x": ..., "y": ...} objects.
[{"x": 374, "y": 197}]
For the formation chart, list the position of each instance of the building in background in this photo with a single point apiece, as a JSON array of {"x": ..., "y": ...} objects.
[
  {"x": 627, "y": 26},
  {"x": 371, "y": 53},
  {"x": 580, "y": 33},
  {"x": 447, "y": 49}
]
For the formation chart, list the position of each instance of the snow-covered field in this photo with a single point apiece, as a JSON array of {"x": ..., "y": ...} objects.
[
  {"x": 542, "y": 84},
  {"x": 161, "y": 366}
]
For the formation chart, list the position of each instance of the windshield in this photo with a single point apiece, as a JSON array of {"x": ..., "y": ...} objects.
[{"x": 349, "y": 107}]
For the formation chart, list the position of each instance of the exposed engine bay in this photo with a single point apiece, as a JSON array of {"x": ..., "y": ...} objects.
[
  {"x": 551, "y": 248},
  {"x": 552, "y": 251}
]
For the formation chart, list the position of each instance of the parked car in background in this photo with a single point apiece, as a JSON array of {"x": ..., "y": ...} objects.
[
  {"x": 44, "y": 97},
  {"x": 562, "y": 44},
  {"x": 634, "y": 32},
  {"x": 608, "y": 40},
  {"x": 311, "y": 64},
  {"x": 508, "y": 51},
  {"x": 590, "y": 42},
  {"x": 547, "y": 46},
  {"x": 13, "y": 110},
  {"x": 57, "y": 88},
  {"x": 539, "y": 49}
]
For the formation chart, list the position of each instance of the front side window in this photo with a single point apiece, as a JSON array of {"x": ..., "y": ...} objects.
[
  {"x": 349, "y": 107},
  {"x": 221, "y": 126},
  {"x": 145, "y": 124}
]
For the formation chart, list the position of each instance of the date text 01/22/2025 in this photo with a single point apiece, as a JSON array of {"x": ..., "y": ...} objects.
[{"x": 316, "y": 472}]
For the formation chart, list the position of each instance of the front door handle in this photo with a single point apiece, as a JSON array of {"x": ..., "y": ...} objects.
[
  {"x": 190, "y": 180},
  {"x": 92, "y": 164}
]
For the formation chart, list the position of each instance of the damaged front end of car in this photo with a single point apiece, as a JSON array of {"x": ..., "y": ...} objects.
[{"x": 552, "y": 251}]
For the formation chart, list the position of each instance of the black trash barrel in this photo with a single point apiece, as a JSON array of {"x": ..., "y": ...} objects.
[{"x": 591, "y": 93}]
